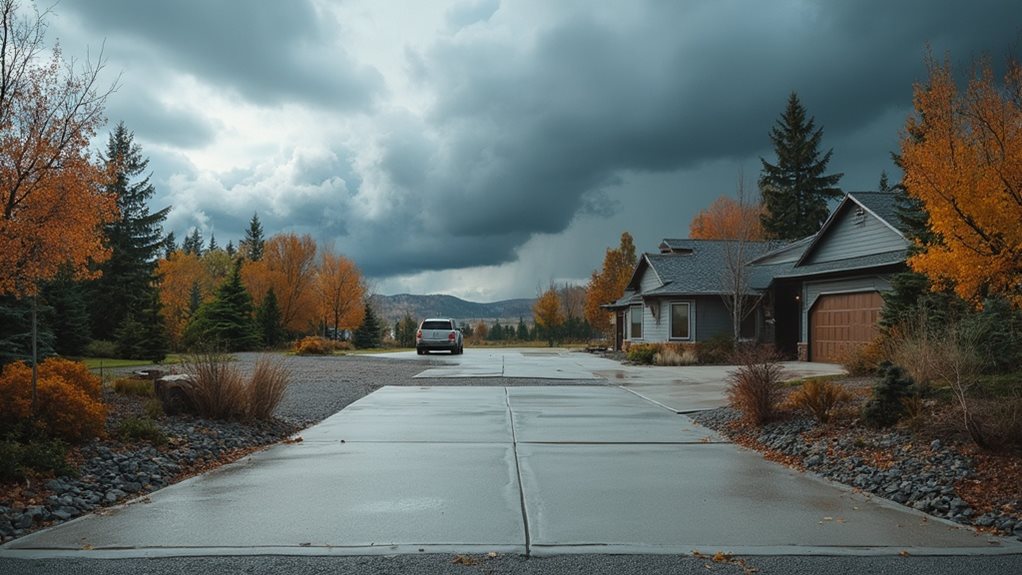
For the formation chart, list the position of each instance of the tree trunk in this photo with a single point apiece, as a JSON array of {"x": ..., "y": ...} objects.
[{"x": 35, "y": 355}]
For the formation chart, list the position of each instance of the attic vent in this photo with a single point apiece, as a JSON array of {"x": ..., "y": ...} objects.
[{"x": 860, "y": 216}]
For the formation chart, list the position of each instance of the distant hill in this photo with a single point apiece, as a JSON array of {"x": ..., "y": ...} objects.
[{"x": 394, "y": 307}]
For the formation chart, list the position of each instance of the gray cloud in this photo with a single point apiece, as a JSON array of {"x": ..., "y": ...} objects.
[{"x": 268, "y": 51}]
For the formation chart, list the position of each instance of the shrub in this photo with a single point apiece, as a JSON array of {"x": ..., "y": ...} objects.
[
  {"x": 819, "y": 398},
  {"x": 754, "y": 388},
  {"x": 643, "y": 353},
  {"x": 341, "y": 345},
  {"x": 717, "y": 350},
  {"x": 217, "y": 389},
  {"x": 886, "y": 406},
  {"x": 74, "y": 373},
  {"x": 266, "y": 389},
  {"x": 20, "y": 459},
  {"x": 153, "y": 408},
  {"x": 997, "y": 424},
  {"x": 134, "y": 386},
  {"x": 314, "y": 345},
  {"x": 866, "y": 359},
  {"x": 100, "y": 348},
  {"x": 64, "y": 410},
  {"x": 672, "y": 355},
  {"x": 141, "y": 429}
]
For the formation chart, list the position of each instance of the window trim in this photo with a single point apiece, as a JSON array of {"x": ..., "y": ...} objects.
[
  {"x": 631, "y": 322},
  {"x": 691, "y": 321}
]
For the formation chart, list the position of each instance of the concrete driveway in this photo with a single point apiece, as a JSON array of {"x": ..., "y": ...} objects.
[{"x": 537, "y": 470}]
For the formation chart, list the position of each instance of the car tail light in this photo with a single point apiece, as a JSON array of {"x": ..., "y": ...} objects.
[{"x": 451, "y": 336}]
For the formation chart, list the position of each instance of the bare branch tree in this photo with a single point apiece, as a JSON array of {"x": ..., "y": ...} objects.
[{"x": 737, "y": 294}]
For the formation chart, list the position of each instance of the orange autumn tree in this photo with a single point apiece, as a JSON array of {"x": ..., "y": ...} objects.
[
  {"x": 728, "y": 219},
  {"x": 340, "y": 290},
  {"x": 179, "y": 275},
  {"x": 52, "y": 204},
  {"x": 288, "y": 266},
  {"x": 608, "y": 284},
  {"x": 962, "y": 157},
  {"x": 546, "y": 312}
]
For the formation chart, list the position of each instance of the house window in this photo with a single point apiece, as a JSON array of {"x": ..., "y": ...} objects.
[
  {"x": 680, "y": 313},
  {"x": 636, "y": 322}
]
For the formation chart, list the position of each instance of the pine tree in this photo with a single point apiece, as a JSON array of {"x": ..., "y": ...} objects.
[
  {"x": 169, "y": 245},
  {"x": 231, "y": 251},
  {"x": 71, "y": 322},
  {"x": 268, "y": 320},
  {"x": 496, "y": 331},
  {"x": 523, "y": 330},
  {"x": 136, "y": 239},
  {"x": 154, "y": 340},
  {"x": 16, "y": 330},
  {"x": 252, "y": 245},
  {"x": 795, "y": 191},
  {"x": 193, "y": 243},
  {"x": 226, "y": 322},
  {"x": 368, "y": 334},
  {"x": 212, "y": 243},
  {"x": 194, "y": 299}
]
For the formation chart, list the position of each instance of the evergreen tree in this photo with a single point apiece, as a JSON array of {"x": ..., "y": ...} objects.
[
  {"x": 154, "y": 342},
  {"x": 129, "y": 338},
  {"x": 884, "y": 186},
  {"x": 404, "y": 331},
  {"x": 252, "y": 245},
  {"x": 795, "y": 190},
  {"x": 70, "y": 319},
  {"x": 368, "y": 334},
  {"x": 16, "y": 330},
  {"x": 268, "y": 320},
  {"x": 212, "y": 243},
  {"x": 194, "y": 299},
  {"x": 523, "y": 330},
  {"x": 226, "y": 322},
  {"x": 193, "y": 243},
  {"x": 496, "y": 332},
  {"x": 231, "y": 251},
  {"x": 136, "y": 239},
  {"x": 169, "y": 245}
]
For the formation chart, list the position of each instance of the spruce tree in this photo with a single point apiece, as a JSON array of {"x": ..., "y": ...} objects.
[
  {"x": 496, "y": 332},
  {"x": 523, "y": 330},
  {"x": 136, "y": 239},
  {"x": 268, "y": 320},
  {"x": 226, "y": 322},
  {"x": 71, "y": 322},
  {"x": 169, "y": 245},
  {"x": 212, "y": 243},
  {"x": 154, "y": 342},
  {"x": 368, "y": 334},
  {"x": 231, "y": 251},
  {"x": 796, "y": 189},
  {"x": 16, "y": 330},
  {"x": 252, "y": 245},
  {"x": 193, "y": 243}
]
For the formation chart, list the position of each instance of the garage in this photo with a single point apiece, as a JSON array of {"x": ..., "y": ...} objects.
[{"x": 841, "y": 322}]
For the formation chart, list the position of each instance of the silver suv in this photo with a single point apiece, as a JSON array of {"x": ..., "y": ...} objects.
[{"x": 436, "y": 333}]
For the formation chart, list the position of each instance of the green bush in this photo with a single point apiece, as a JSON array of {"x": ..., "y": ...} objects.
[
  {"x": 716, "y": 350},
  {"x": 643, "y": 353},
  {"x": 153, "y": 409},
  {"x": 101, "y": 348},
  {"x": 21, "y": 459},
  {"x": 886, "y": 407},
  {"x": 141, "y": 429}
]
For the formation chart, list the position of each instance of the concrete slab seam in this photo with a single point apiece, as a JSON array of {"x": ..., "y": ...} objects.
[
  {"x": 653, "y": 401},
  {"x": 518, "y": 471}
]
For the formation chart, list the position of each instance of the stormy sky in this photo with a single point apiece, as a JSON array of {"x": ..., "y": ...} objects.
[{"x": 485, "y": 148}]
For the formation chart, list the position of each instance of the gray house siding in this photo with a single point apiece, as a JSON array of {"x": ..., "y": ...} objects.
[
  {"x": 649, "y": 280},
  {"x": 812, "y": 290},
  {"x": 852, "y": 235}
]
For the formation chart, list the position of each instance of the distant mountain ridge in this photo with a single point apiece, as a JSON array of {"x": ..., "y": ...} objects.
[{"x": 393, "y": 307}]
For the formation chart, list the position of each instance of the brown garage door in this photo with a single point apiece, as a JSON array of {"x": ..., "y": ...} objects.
[{"x": 841, "y": 322}]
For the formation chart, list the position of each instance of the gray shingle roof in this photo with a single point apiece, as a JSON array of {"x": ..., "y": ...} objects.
[
  {"x": 701, "y": 271},
  {"x": 861, "y": 262},
  {"x": 883, "y": 204}
]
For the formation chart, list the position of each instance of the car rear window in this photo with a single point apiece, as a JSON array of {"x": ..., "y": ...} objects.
[{"x": 436, "y": 325}]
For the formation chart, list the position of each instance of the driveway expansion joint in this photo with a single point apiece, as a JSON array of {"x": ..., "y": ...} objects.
[{"x": 518, "y": 471}]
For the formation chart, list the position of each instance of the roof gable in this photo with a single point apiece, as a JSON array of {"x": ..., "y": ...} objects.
[{"x": 856, "y": 229}]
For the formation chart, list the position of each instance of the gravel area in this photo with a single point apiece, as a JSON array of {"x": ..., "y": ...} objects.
[
  {"x": 112, "y": 471},
  {"x": 887, "y": 463}
]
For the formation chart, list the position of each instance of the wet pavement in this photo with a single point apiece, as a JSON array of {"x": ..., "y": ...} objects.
[{"x": 532, "y": 470}]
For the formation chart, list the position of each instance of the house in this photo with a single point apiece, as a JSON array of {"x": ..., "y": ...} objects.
[{"x": 815, "y": 298}]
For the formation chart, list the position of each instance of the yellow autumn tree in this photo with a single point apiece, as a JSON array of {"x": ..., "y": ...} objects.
[
  {"x": 728, "y": 219},
  {"x": 340, "y": 290},
  {"x": 961, "y": 153},
  {"x": 180, "y": 275},
  {"x": 52, "y": 204},
  {"x": 288, "y": 266},
  {"x": 608, "y": 284},
  {"x": 546, "y": 312}
]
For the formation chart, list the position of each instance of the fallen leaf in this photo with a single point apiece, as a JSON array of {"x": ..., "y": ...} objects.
[
  {"x": 464, "y": 560},
  {"x": 903, "y": 553},
  {"x": 721, "y": 557},
  {"x": 491, "y": 554}
]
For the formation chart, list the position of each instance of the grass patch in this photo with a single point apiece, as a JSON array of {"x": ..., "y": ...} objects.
[
  {"x": 141, "y": 429},
  {"x": 94, "y": 363},
  {"x": 799, "y": 381}
]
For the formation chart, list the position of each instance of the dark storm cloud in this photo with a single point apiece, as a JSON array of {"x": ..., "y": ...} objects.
[
  {"x": 268, "y": 51},
  {"x": 523, "y": 130},
  {"x": 153, "y": 121}
]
